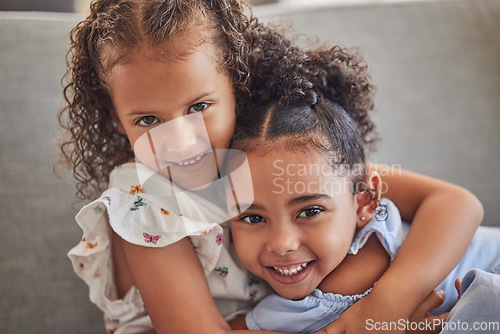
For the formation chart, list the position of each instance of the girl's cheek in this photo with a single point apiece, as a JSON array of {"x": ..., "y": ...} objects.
[{"x": 242, "y": 244}]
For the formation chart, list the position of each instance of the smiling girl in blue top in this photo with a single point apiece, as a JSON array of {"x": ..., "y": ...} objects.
[{"x": 312, "y": 203}]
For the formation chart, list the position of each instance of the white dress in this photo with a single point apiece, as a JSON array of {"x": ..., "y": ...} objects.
[{"x": 154, "y": 213}]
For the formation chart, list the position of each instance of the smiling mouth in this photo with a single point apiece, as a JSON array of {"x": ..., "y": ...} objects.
[
  {"x": 191, "y": 161},
  {"x": 290, "y": 271}
]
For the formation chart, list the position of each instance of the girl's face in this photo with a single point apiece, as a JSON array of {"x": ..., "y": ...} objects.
[
  {"x": 301, "y": 222},
  {"x": 175, "y": 113}
]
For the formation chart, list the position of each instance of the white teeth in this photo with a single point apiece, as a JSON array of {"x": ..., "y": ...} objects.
[
  {"x": 291, "y": 271},
  {"x": 190, "y": 162}
]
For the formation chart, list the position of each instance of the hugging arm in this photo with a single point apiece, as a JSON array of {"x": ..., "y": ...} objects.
[
  {"x": 444, "y": 219},
  {"x": 175, "y": 290}
]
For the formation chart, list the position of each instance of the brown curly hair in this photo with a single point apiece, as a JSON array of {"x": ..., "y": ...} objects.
[
  {"x": 114, "y": 29},
  {"x": 302, "y": 100},
  {"x": 283, "y": 73}
]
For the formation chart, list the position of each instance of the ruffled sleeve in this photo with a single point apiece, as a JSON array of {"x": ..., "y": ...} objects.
[
  {"x": 147, "y": 212},
  {"x": 139, "y": 219},
  {"x": 91, "y": 259}
]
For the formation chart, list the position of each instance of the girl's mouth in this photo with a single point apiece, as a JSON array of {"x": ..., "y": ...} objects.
[
  {"x": 291, "y": 274},
  {"x": 189, "y": 162},
  {"x": 289, "y": 271},
  {"x": 193, "y": 164}
]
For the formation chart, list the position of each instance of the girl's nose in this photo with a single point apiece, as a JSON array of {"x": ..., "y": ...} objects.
[
  {"x": 179, "y": 135},
  {"x": 283, "y": 238},
  {"x": 179, "y": 139}
]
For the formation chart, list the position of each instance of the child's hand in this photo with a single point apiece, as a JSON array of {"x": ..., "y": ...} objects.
[
  {"x": 421, "y": 315},
  {"x": 422, "y": 322}
]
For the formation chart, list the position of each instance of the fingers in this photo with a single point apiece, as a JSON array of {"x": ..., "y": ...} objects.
[
  {"x": 330, "y": 331},
  {"x": 321, "y": 331},
  {"x": 422, "y": 316},
  {"x": 443, "y": 316},
  {"x": 336, "y": 327},
  {"x": 458, "y": 286},
  {"x": 433, "y": 300}
]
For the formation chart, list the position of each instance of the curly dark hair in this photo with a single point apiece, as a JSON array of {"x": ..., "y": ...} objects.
[
  {"x": 114, "y": 29},
  {"x": 302, "y": 100},
  {"x": 284, "y": 73}
]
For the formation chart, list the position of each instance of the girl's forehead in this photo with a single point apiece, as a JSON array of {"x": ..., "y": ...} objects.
[
  {"x": 283, "y": 157},
  {"x": 290, "y": 148},
  {"x": 293, "y": 174}
]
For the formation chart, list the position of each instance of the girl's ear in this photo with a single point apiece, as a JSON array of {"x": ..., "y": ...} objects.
[
  {"x": 118, "y": 123},
  {"x": 368, "y": 198}
]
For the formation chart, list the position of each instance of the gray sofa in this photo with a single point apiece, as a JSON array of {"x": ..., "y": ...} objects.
[{"x": 436, "y": 65}]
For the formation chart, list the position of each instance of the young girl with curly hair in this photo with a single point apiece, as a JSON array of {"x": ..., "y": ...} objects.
[
  {"x": 312, "y": 202},
  {"x": 136, "y": 66}
]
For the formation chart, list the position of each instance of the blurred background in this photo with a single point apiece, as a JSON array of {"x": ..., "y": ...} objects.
[{"x": 81, "y": 6}]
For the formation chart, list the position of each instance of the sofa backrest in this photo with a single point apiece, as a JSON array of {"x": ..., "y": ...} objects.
[{"x": 40, "y": 292}]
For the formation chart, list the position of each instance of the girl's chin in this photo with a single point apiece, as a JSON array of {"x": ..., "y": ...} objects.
[
  {"x": 196, "y": 184},
  {"x": 294, "y": 293}
]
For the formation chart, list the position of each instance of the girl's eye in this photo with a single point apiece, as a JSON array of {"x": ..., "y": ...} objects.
[
  {"x": 147, "y": 121},
  {"x": 310, "y": 212},
  {"x": 253, "y": 219},
  {"x": 198, "y": 107}
]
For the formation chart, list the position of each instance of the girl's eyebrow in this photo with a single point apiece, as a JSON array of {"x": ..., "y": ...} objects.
[
  {"x": 308, "y": 198},
  {"x": 252, "y": 206},
  {"x": 201, "y": 97},
  {"x": 140, "y": 112}
]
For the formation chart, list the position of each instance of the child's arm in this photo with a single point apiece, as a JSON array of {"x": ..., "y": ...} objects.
[
  {"x": 175, "y": 290},
  {"x": 444, "y": 218}
]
